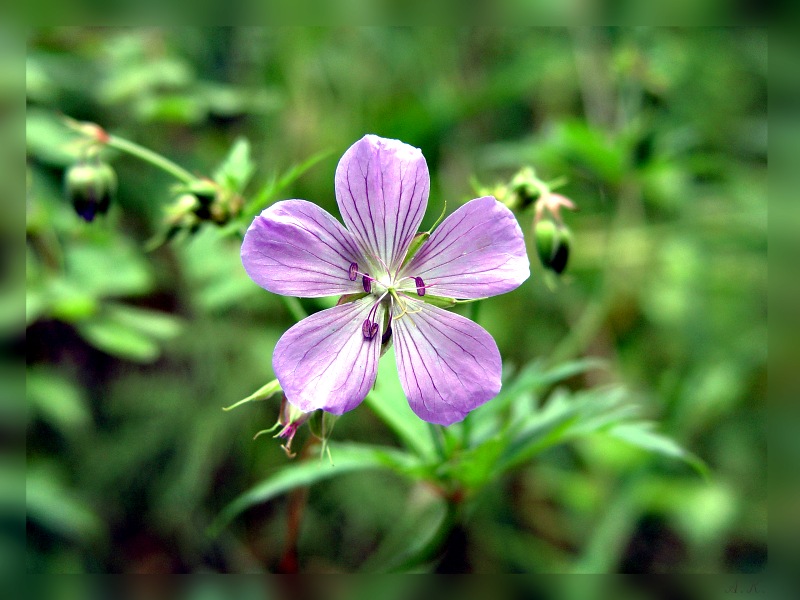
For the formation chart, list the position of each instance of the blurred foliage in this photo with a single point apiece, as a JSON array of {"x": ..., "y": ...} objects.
[{"x": 660, "y": 316}]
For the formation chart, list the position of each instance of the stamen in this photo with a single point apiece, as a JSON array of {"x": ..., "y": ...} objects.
[
  {"x": 404, "y": 306},
  {"x": 369, "y": 329},
  {"x": 420, "y": 285},
  {"x": 366, "y": 281},
  {"x": 353, "y": 273}
]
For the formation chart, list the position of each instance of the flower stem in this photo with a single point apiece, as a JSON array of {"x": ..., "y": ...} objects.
[
  {"x": 438, "y": 442},
  {"x": 151, "y": 157},
  {"x": 294, "y": 307}
]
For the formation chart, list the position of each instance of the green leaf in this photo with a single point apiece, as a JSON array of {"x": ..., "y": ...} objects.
[
  {"x": 52, "y": 505},
  {"x": 563, "y": 418},
  {"x": 236, "y": 170},
  {"x": 129, "y": 332},
  {"x": 48, "y": 139},
  {"x": 535, "y": 378},
  {"x": 414, "y": 538},
  {"x": 590, "y": 147},
  {"x": 266, "y": 391},
  {"x": 347, "y": 458},
  {"x": 111, "y": 269},
  {"x": 475, "y": 466},
  {"x": 112, "y": 337},
  {"x": 276, "y": 183},
  {"x": 546, "y": 429},
  {"x": 158, "y": 325},
  {"x": 389, "y": 402},
  {"x": 641, "y": 434},
  {"x": 70, "y": 303},
  {"x": 56, "y": 399}
]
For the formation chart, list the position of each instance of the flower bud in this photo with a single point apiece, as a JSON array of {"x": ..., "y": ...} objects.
[
  {"x": 523, "y": 189},
  {"x": 291, "y": 419},
  {"x": 90, "y": 187},
  {"x": 553, "y": 245}
]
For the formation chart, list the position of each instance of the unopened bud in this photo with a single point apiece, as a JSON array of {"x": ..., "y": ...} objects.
[
  {"x": 291, "y": 419},
  {"x": 523, "y": 190},
  {"x": 553, "y": 245},
  {"x": 90, "y": 188}
]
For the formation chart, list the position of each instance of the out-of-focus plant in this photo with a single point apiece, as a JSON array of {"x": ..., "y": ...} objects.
[
  {"x": 129, "y": 457},
  {"x": 445, "y": 363},
  {"x": 527, "y": 191},
  {"x": 459, "y": 461},
  {"x": 528, "y": 417}
]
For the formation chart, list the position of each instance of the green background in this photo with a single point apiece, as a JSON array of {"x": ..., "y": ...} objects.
[{"x": 662, "y": 136}]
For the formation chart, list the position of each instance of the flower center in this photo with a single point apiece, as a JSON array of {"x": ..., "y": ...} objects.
[{"x": 385, "y": 285}]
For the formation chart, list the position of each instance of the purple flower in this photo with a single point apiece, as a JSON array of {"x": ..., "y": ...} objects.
[{"x": 448, "y": 365}]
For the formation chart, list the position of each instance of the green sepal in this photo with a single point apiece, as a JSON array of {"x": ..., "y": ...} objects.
[
  {"x": 440, "y": 301},
  {"x": 559, "y": 261},
  {"x": 90, "y": 188},
  {"x": 200, "y": 187},
  {"x": 439, "y": 218},
  {"x": 545, "y": 234},
  {"x": 264, "y": 392},
  {"x": 553, "y": 245},
  {"x": 351, "y": 298},
  {"x": 415, "y": 245},
  {"x": 321, "y": 426},
  {"x": 421, "y": 238}
]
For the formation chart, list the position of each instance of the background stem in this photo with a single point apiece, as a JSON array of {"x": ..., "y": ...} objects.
[{"x": 151, "y": 157}]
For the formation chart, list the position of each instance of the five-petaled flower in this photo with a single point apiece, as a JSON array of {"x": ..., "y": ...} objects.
[{"x": 448, "y": 365}]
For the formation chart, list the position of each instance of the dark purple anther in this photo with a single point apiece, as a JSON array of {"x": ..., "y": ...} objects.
[
  {"x": 366, "y": 281},
  {"x": 353, "y": 271},
  {"x": 420, "y": 285},
  {"x": 387, "y": 333},
  {"x": 369, "y": 329}
]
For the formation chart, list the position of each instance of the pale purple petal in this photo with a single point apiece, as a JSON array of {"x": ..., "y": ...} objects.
[
  {"x": 382, "y": 189},
  {"x": 295, "y": 248},
  {"x": 448, "y": 365},
  {"x": 326, "y": 362},
  {"x": 476, "y": 252}
]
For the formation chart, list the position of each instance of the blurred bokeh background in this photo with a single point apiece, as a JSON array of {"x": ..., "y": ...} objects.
[{"x": 661, "y": 134}]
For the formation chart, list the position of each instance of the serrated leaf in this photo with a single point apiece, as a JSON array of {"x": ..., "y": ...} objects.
[{"x": 347, "y": 458}]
